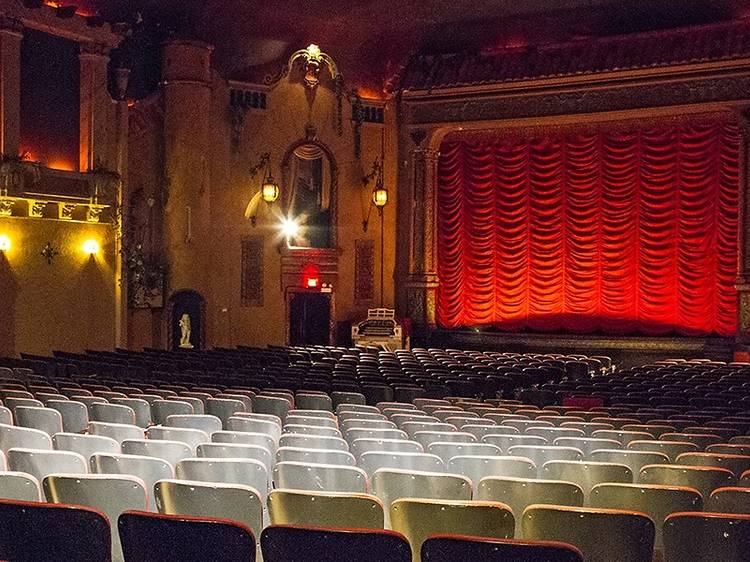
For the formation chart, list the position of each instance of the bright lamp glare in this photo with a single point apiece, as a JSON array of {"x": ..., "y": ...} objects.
[
  {"x": 4, "y": 243},
  {"x": 289, "y": 228},
  {"x": 91, "y": 247}
]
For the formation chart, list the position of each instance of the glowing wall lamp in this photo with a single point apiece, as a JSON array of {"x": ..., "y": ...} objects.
[
  {"x": 4, "y": 243},
  {"x": 313, "y": 60},
  {"x": 269, "y": 189},
  {"x": 380, "y": 197},
  {"x": 91, "y": 247},
  {"x": 289, "y": 228}
]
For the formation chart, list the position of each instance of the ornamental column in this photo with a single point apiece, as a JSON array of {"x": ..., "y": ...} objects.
[
  {"x": 186, "y": 91},
  {"x": 95, "y": 103},
  {"x": 11, "y": 33},
  {"x": 742, "y": 337},
  {"x": 422, "y": 280}
]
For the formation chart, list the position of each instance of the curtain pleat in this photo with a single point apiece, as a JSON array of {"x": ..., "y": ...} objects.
[{"x": 605, "y": 231}]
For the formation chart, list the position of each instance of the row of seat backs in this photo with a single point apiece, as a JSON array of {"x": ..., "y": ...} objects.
[{"x": 43, "y": 532}]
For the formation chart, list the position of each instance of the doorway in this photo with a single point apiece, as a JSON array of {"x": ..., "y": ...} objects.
[{"x": 309, "y": 318}]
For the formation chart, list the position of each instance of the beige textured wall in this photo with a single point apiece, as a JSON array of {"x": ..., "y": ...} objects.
[
  {"x": 274, "y": 130},
  {"x": 68, "y": 305},
  {"x": 206, "y": 173}
]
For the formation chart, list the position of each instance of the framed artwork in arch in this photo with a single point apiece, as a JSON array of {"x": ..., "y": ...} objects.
[{"x": 187, "y": 311}]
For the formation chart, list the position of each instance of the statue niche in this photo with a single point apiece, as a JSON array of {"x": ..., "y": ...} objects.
[{"x": 310, "y": 177}]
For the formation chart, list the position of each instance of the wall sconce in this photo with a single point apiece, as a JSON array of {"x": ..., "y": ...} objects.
[
  {"x": 379, "y": 197},
  {"x": 313, "y": 59},
  {"x": 91, "y": 247},
  {"x": 4, "y": 243},
  {"x": 49, "y": 253},
  {"x": 269, "y": 189}
]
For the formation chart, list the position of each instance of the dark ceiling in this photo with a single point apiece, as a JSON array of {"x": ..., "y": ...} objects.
[{"x": 370, "y": 40}]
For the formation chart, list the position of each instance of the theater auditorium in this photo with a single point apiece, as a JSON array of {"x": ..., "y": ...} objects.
[{"x": 359, "y": 281}]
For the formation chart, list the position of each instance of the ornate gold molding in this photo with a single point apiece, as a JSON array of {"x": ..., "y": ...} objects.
[{"x": 494, "y": 106}]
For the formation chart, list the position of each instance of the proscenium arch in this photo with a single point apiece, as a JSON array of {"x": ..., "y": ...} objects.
[{"x": 333, "y": 187}]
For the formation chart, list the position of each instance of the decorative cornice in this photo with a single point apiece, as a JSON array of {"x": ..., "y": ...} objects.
[
  {"x": 93, "y": 50},
  {"x": 651, "y": 50},
  {"x": 11, "y": 25},
  {"x": 622, "y": 97}
]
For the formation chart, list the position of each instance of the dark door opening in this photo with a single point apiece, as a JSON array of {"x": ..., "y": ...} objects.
[{"x": 310, "y": 319}]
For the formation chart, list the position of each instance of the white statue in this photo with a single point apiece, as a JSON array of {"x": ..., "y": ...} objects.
[{"x": 185, "y": 332}]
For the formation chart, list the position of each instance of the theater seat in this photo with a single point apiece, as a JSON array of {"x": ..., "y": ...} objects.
[
  {"x": 658, "y": 502},
  {"x": 208, "y": 499},
  {"x": 519, "y": 493},
  {"x": 301, "y": 544},
  {"x": 45, "y": 532},
  {"x": 456, "y": 548},
  {"x": 325, "y": 509},
  {"x": 706, "y": 537},
  {"x": 147, "y": 537},
  {"x": 602, "y": 535},
  {"x": 417, "y": 520},
  {"x": 729, "y": 500}
]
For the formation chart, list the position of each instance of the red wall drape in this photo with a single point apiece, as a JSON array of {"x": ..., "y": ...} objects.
[{"x": 612, "y": 230}]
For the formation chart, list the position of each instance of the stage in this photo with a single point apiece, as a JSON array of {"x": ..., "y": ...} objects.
[{"x": 624, "y": 350}]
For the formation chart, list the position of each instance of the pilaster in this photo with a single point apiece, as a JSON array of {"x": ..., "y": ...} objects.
[
  {"x": 94, "y": 106},
  {"x": 186, "y": 91},
  {"x": 743, "y": 242},
  {"x": 11, "y": 33},
  {"x": 422, "y": 281}
]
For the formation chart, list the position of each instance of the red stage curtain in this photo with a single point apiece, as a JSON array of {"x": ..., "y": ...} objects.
[{"x": 611, "y": 230}]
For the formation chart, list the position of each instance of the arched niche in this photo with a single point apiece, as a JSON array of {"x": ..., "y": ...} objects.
[
  {"x": 191, "y": 303},
  {"x": 309, "y": 177}
]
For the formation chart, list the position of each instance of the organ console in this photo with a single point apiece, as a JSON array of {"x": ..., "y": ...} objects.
[{"x": 380, "y": 329}]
